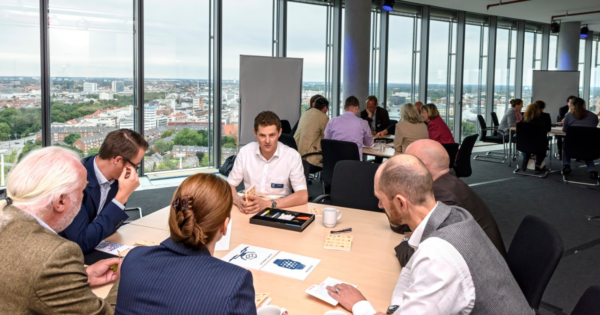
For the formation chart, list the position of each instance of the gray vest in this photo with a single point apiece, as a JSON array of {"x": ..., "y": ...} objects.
[{"x": 496, "y": 291}]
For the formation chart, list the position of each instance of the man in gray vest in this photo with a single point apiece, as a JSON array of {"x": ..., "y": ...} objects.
[{"x": 455, "y": 268}]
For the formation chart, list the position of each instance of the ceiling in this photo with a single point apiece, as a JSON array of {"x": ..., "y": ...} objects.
[{"x": 533, "y": 10}]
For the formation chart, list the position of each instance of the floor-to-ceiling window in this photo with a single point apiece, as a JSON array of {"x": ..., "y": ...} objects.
[
  {"x": 91, "y": 68},
  {"x": 581, "y": 64},
  {"x": 474, "y": 74},
  {"x": 594, "y": 97},
  {"x": 506, "y": 52},
  {"x": 553, "y": 52},
  {"x": 177, "y": 95},
  {"x": 307, "y": 29},
  {"x": 20, "y": 94},
  {"x": 247, "y": 30},
  {"x": 532, "y": 59}
]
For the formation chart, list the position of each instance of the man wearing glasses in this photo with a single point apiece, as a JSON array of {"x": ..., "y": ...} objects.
[{"x": 111, "y": 177}]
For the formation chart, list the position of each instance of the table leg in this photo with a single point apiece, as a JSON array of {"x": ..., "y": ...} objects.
[{"x": 509, "y": 147}]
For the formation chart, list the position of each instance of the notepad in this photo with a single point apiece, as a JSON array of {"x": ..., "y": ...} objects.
[
  {"x": 320, "y": 291},
  {"x": 260, "y": 297},
  {"x": 339, "y": 242},
  {"x": 317, "y": 211},
  {"x": 146, "y": 243}
]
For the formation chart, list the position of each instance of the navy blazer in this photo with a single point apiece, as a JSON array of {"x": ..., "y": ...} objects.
[
  {"x": 174, "y": 278},
  {"x": 88, "y": 229}
]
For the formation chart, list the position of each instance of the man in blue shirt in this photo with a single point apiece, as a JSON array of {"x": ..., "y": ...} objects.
[{"x": 111, "y": 177}]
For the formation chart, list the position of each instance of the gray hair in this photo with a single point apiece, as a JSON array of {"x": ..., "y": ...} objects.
[
  {"x": 410, "y": 113},
  {"x": 408, "y": 177}
]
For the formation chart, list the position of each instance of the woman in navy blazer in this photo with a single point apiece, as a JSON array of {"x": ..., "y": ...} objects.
[
  {"x": 535, "y": 115},
  {"x": 181, "y": 276},
  {"x": 437, "y": 128}
]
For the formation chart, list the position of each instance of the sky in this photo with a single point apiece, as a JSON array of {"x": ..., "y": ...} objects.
[{"x": 95, "y": 39}]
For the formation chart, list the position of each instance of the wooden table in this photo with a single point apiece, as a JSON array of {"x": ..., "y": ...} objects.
[
  {"x": 371, "y": 264},
  {"x": 388, "y": 152}
]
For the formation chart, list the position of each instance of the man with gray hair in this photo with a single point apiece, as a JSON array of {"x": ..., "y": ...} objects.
[
  {"x": 43, "y": 273},
  {"x": 455, "y": 268}
]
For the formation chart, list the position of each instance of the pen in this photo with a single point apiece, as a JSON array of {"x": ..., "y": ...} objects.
[{"x": 342, "y": 231}]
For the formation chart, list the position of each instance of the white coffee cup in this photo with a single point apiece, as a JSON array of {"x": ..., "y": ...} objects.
[
  {"x": 272, "y": 310},
  {"x": 335, "y": 312},
  {"x": 330, "y": 217}
]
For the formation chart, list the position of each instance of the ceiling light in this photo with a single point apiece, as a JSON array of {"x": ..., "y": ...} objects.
[
  {"x": 584, "y": 32},
  {"x": 554, "y": 27},
  {"x": 388, "y": 5}
]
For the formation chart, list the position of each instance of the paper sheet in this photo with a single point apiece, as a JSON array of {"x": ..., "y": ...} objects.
[
  {"x": 113, "y": 248},
  {"x": 320, "y": 291},
  {"x": 250, "y": 257},
  {"x": 223, "y": 243},
  {"x": 260, "y": 297},
  {"x": 291, "y": 265},
  {"x": 338, "y": 242}
]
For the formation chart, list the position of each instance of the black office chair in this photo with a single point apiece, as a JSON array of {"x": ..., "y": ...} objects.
[
  {"x": 533, "y": 138},
  {"x": 306, "y": 167},
  {"x": 393, "y": 121},
  {"x": 499, "y": 139},
  {"x": 352, "y": 186},
  {"x": 589, "y": 303},
  {"x": 533, "y": 256},
  {"x": 495, "y": 123},
  {"x": 291, "y": 142},
  {"x": 462, "y": 164},
  {"x": 333, "y": 152},
  {"x": 452, "y": 149},
  {"x": 286, "y": 128},
  {"x": 582, "y": 143}
]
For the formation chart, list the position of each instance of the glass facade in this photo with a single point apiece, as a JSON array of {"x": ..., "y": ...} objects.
[
  {"x": 506, "y": 52},
  {"x": 594, "y": 98},
  {"x": 400, "y": 67},
  {"x": 532, "y": 60},
  {"x": 474, "y": 77}
]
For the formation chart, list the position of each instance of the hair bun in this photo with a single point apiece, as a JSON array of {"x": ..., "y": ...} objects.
[{"x": 189, "y": 231}]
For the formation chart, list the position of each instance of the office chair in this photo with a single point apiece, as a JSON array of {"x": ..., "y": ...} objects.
[
  {"x": 462, "y": 164},
  {"x": 533, "y": 139},
  {"x": 291, "y": 142},
  {"x": 333, "y": 152},
  {"x": 495, "y": 123},
  {"x": 134, "y": 210},
  {"x": 286, "y": 128},
  {"x": 352, "y": 186},
  {"x": 452, "y": 149},
  {"x": 499, "y": 139},
  {"x": 589, "y": 303},
  {"x": 582, "y": 143},
  {"x": 533, "y": 255}
]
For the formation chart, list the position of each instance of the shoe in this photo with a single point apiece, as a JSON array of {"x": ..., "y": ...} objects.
[
  {"x": 594, "y": 175},
  {"x": 566, "y": 169},
  {"x": 540, "y": 169}
]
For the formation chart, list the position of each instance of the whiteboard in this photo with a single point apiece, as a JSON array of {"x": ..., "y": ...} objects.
[
  {"x": 268, "y": 83},
  {"x": 553, "y": 87}
]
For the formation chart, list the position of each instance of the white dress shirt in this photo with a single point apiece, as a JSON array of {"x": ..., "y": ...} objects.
[
  {"x": 273, "y": 178},
  {"x": 42, "y": 223},
  {"x": 436, "y": 280},
  {"x": 104, "y": 188}
]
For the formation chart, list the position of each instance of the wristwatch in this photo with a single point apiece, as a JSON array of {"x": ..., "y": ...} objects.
[
  {"x": 273, "y": 204},
  {"x": 392, "y": 309}
]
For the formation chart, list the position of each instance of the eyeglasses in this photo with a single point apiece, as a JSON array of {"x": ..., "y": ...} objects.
[{"x": 136, "y": 166}]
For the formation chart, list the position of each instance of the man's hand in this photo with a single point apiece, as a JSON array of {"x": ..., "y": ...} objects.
[
  {"x": 253, "y": 204},
  {"x": 100, "y": 272},
  {"x": 369, "y": 113},
  {"x": 128, "y": 183},
  {"x": 380, "y": 134},
  {"x": 347, "y": 295}
]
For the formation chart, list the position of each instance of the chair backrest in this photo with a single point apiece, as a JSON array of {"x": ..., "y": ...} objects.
[
  {"x": 533, "y": 138},
  {"x": 393, "y": 121},
  {"x": 589, "y": 303},
  {"x": 582, "y": 143},
  {"x": 533, "y": 256},
  {"x": 452, "y": 149},
  {"x": 352, "y": 185},
  {"x": 333, "y": 152},
  {"x": 286, "y": 128},
  {"x": 495, "y": 122},
  {"x": 483, "y": 127},
  {"x": 288, "y": 140},
  {"x": 306, "y": 166},
  {"x": 462, "y": 165}
]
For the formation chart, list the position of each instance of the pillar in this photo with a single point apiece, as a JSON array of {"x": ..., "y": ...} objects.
[
  {"x": 357, "y": 41},
  {"x": 568, "y": 46}
]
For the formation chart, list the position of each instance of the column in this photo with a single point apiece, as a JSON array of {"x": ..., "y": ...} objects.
[
  {"x": 568, "y": 46},
  {"x": 357, "y": 39}
]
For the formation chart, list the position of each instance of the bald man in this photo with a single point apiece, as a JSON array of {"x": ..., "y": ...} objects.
[
  {"x": 452, "y": 191},
  {"x": 418, "y": 105},
  {"x": 455, "y": 268}
]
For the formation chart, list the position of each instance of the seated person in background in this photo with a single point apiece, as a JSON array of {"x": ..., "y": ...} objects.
[
  {"x": 410, "y": 129},
  {"x": 348, "y": 127},
  {"x": 437, "y": 128},
  {"x": 272, "y": 167},
  {"x": 311, "y": 130},
  {"x": 581, "y": 117},
  {"x": 112, "y": 178},
  {"x": 535, "y": 114},
  {"x": 195, "y": 282},
  {"x": 391, "y": 129},
  {"x": 377, "y": 117},
  {"x": 561, "y": 116},
  {"x": 43, "y": 273},
  {"x": 418, "y": 105},
  {"x": 312, "y": 104},
  {"x": 455, "y": 268},
  {"x": 451, "y": 191},
  {"x": 512, "y": 116}
]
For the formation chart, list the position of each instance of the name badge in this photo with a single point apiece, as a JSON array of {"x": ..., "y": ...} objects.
[{"x": 273, "y": 185}]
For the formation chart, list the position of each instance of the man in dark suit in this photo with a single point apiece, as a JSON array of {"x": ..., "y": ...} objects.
[
  {"x": 111, "y": 177},
  {"x": 561, "y": 116},
  {"x": 377, "y": 117},
  {"x": 450, "y": 190}
]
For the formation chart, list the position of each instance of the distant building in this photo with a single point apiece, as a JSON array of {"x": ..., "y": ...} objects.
[
  {"x": 149, "y": 118},
  {"x": 187, "y": 150},
  {"x": 198, "y": 103},
  {"x": 59, "y": 133},
  {"x": 126, "y": 123},
  {"x": 89, "y": 87},
  {"x": 118, "y": 86},
  {"x": 86, "y": 143},
  {"x": 162, "y": 121},
  {"x": 106, "y": 95}
]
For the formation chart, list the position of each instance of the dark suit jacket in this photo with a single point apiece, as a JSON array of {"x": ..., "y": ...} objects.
[
  {"x": 43, "y": 273},
  {"x": 176, "y": 279},
  {"x": 562, "y": 112},
  {"x": 382, "y": 118},
  {"x": 454, "y": 192},
  {"x": 88, "y": 229},
  {"x": 543, "y": 119}
]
